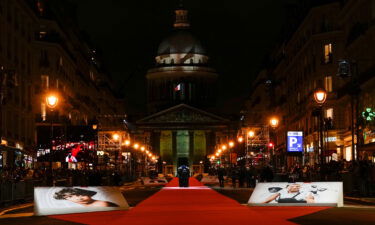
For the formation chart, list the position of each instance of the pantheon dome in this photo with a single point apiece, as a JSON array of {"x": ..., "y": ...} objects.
[
  {"x": 181, "y": 74},
  {"x": 181, "y": 41}
]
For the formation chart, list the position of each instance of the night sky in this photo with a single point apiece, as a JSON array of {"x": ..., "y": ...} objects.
[{"x": 236, "y": 33}]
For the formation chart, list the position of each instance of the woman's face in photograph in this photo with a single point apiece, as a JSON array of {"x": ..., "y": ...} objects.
[
  {"x": 294, "y": 188},
  {"x": 80, "y": 199}
]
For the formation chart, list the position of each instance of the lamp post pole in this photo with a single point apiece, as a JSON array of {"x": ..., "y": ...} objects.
[
  {"x": 274, "y": 123},
  {"x": 247, "y": 150},
  {"x": 346, "y": 69},
  {"x": 320, "y": 96},
  {"x": 321, "y": 143},
  {"x": 51, "y": 101}
]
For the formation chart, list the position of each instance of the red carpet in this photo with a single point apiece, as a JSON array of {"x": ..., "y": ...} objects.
[{"x": 189, "y": 206}]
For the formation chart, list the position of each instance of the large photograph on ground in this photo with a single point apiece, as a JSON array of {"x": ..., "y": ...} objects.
[
  {"x": 303, "y": 194},
  {"x": 65, "y": 200}
]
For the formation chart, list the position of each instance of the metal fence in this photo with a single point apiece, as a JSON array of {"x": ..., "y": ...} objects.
[{"x": 14, "y": 192}]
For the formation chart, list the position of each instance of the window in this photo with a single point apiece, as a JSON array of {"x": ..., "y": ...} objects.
[
  {"x": 60, "y": 61},
  {"x": 92, "y": 77},
  {"x": 328, "y": 53},
  {"x": 45, "y": 81},
  {"x": 328, "y": 83},
  {"x": 329, "y": 113},
  {"x": 43, "y": 111}
]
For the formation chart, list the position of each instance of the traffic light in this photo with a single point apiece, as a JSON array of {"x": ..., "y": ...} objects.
[{"x": 270, "y": 145}]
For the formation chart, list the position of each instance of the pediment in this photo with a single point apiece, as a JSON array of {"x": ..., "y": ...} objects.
[{"x": 183, "y": 114}]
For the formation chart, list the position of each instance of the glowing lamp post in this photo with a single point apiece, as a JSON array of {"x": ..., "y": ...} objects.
[
  {"x": 51, "y": 101},
  {"x": 320, "y": 96},
  {"x": 116, "y": 137},
  {"x": 274, "y": 122}
]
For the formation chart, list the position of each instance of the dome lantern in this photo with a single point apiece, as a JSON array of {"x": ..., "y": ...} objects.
[{"x": 182, "y": 20}]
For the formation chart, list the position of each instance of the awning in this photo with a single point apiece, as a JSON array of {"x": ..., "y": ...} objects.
[
  {"x": 14, "y": 149},
  {"x": 8, "y": 148}
]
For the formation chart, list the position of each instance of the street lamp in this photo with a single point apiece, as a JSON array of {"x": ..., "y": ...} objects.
[
  {"x": 116, "y": 137},
  {"x": 51, "y": 101},
  {"x": 274, "y": 123},
  {"x": 347, "y": 69},
  {"x": 250, "y": 134},
  {"x": 320, "y": 96}
]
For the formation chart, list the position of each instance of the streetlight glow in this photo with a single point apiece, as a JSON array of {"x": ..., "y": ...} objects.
[
  {"x": 142, "y": 148},
  {"x": 251, "y": 133},
  {"x": 224, "y": 147},
  {"x": 127, "y": 142},
  {"x": 320, "y": 95},
  {"x": 231, "y": 144},
  {"x": 240, "y": 139},
  {"x": 116, "y": 137},
  {"x": 51, "y": 101},
  {"x": 274, "y": 122},
  {"x": 136, "y": 146}
]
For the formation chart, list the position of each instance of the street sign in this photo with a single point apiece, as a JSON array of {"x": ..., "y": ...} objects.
[{"x": 295, "y": 141}]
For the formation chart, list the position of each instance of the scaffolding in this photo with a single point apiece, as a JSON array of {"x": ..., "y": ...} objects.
[{"x": 111, "y": 140}]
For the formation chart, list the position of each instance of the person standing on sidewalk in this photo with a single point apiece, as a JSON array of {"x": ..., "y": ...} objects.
[
  {"x": 220, "y": 176},
  {"x": 234, "y": 176}
]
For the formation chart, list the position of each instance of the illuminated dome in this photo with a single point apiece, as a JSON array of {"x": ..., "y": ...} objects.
[{"x": 181, "y": 41}]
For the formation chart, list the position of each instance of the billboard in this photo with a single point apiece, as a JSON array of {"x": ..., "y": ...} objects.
[
  {"x": 298, "y": 194},
  {"x": 65, "y": 200},
  {"x": 294, "y": 141}
]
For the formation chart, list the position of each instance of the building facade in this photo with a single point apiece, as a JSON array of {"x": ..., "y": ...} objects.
[
  {"x": 41, "y": 51},
  {"x": 329, "y": 34},
  {"x": 181, "y": 126}
]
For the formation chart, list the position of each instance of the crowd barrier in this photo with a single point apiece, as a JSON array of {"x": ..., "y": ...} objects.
[{"x": 13, "y": 192}]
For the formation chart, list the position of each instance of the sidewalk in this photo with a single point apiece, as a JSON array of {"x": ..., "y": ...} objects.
[{"x": 359, "y": 200}]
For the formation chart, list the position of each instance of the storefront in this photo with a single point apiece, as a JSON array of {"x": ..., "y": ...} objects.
[{"x": 12, "y": 157}]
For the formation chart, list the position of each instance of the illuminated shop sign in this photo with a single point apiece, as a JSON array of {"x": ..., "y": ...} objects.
[{"x": 331, "y": 139}]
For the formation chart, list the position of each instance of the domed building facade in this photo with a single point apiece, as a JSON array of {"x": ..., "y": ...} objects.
[
  {"x": 182, "y": 74},
  {"x": 181, "y": 127}
]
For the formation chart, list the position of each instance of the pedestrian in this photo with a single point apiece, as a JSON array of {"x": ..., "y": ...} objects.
[
  {"x": 220, "y": 176},
  {"x": 183, "y": 174},
  {"x": 234, "y": 176}
]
